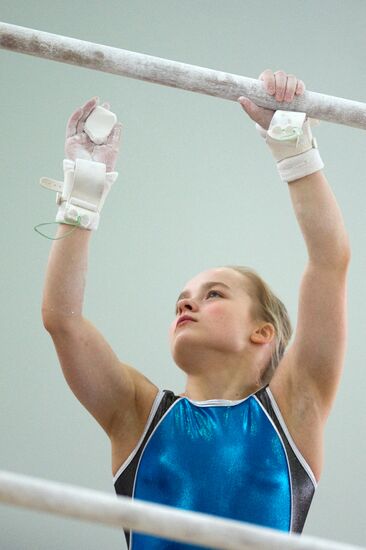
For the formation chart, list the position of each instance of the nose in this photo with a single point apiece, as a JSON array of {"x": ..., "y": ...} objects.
[{"x": 186, "y": 304}]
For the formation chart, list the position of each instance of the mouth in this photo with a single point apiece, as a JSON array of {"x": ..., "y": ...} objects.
[{"x": 184, "y": 319}]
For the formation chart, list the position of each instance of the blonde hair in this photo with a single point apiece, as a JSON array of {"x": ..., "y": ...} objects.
[{"x": 266, "y": 306}]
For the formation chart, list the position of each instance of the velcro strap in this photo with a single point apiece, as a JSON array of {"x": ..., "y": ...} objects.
[
  {"x": 73, "y": 214},
  {"x": 297, "y": 167},
  {"x": 82, "y": 194},
  {"x": 51, "y": 184}
]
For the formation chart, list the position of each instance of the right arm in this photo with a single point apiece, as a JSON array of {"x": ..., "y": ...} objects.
[
  {"x": 112, "y": 391},
  {"x": 116, "y": 394}
]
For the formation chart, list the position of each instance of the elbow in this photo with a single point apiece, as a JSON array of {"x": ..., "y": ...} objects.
[
  {"x": 342, "y": 261},
  {"x": 54, "y": 321},
  {"x": 343, "y": 256},
  {"x": 46, "y": 318},
  {"x": 338, "y": 261},
  {"x": 49, "y": 320},
  {"x": 346, "y": 256},
  {"x": 347, "y": 250}
]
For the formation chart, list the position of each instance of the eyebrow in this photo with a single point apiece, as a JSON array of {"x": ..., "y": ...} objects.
[{"x": 205, "y": 286}]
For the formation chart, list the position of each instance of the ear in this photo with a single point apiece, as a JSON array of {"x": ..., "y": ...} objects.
[{"x": 264, "y": 334}]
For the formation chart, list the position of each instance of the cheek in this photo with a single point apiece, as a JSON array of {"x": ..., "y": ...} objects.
[
  {"x": 228, "y": 320},
  {"x": 219, "y": 312},
  {"x": 171, "y": 329}
]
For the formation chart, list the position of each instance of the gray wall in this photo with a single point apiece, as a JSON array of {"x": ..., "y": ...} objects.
[{"x": 184, "y": 157}]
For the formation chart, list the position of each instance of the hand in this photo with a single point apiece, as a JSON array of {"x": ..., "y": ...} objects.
[
  {"x": 79, "y": 145},
  {"x": 280, "y": 84}
]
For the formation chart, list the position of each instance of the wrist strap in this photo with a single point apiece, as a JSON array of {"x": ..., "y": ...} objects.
[
  {"x": 297, "y": 167},
  {"x": 81, "y": 195},
  {"x": 292, "y": 144},
  {"x": 82, "y": 192}
]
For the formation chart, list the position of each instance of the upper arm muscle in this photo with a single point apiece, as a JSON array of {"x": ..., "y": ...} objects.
[
  {"x": 104, "y": 385},
  {"x": 306, "y": 380},
  {"x": 314, "y": 361}
]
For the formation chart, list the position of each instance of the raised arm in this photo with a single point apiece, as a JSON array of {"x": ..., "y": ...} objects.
[
  {"x": 112, "y": 391},
  {"x": 311, "y": 369}
]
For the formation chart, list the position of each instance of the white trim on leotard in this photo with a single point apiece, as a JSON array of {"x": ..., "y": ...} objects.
[
  {"x": 153, "y": 410},
  {"x": 286, "y": 455},
  {"x": 294, "y": 447}
]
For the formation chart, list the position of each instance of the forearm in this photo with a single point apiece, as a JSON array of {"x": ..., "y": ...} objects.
[
  {"x": 65, "y": 277},
  {"x": 320, "y": 219}
]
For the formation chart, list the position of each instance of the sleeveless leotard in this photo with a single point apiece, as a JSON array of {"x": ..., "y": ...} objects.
[{"x": 234, "y": 459}]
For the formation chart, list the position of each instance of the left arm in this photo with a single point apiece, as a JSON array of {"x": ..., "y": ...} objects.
[
  {"x": 315, "y": 359},
  {"x": 307, "y": 378},
  {"x": 320, "y": 220}
]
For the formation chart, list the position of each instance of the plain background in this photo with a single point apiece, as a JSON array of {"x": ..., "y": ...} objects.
[{"x": 197, "y": 188}]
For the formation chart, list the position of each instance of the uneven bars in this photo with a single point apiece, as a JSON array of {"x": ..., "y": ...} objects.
[
  {"x": 174, "y": 74},
  {"x": 154, "y": 519}
]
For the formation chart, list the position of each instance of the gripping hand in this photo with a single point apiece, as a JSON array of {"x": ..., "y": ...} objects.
[{"x": 287, "y": 133}]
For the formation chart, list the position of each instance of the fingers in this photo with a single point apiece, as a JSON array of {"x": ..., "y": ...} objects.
[
  {"x": 87, "y": 108},
  {"x": 300, "y": 89},
  {"x": 75, "y": 124},
  {"x": 115, "y": 137},
  {"x": 269, "y": 81},
  {"x": 282, "y": 85},
  {"x": 72, "y": 123},
  {"x": 107, "y": 153},
  {"x": 260, "y": 115}
]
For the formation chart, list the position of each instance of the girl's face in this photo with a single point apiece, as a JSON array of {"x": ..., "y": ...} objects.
[{"x": 217, "y": 301}]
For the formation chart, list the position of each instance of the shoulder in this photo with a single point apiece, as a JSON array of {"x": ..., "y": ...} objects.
[{"x": 137, "y": 426}]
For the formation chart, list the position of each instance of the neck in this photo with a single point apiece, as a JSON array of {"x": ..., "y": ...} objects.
[
  {"x": 221, "y": 385},
  {"x": 222, "y": 375}
]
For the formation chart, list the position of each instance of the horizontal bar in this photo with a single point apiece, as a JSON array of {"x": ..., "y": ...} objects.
[
  {"x": 175, "y": 74},
  {"x": 155, "y": 519}
]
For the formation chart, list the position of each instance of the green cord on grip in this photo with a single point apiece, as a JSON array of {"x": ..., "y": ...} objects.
[{"x": 77, "y": 224}]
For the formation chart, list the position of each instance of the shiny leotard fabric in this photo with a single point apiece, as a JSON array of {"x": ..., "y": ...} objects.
[{"x": 234, "y": 459}]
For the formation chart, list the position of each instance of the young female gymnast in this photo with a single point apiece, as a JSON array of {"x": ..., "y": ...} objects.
[{"x": 245, "y": 438}]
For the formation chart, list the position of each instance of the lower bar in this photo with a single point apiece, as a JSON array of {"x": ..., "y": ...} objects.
[
  {"x": 174, "y": 74},
  {"x": 154, "y": 519}
]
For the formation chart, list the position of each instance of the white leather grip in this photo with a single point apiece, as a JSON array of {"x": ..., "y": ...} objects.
[
  {"x": 291, "y": 142},
  {"x": 99, "y": 125},
  {"x": 82, "y": 194}
]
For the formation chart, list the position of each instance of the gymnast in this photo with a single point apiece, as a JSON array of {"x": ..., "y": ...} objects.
[{"x": 245, "y": 439}]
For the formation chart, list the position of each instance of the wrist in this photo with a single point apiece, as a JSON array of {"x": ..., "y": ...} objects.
[
  {"x": 64, "y": 228},
  {"x": 300, "y": 166},
  {"x": 292, "y": 144},
  {"x": 82, "y": 194}
]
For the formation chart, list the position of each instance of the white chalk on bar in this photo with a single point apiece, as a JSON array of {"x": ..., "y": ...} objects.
[
  {"x": 155, "y": 519},
  {"x": 99, "y": 125},
  {"x": 175, "y": 74}
]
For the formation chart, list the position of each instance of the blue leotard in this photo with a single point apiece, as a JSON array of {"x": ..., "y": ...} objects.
[{"x": 234, "y": 459}]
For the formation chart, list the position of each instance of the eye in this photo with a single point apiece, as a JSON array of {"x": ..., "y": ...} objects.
[
  {"x": 208, "y": 294},
  {"x": 215, "y": 292}
]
